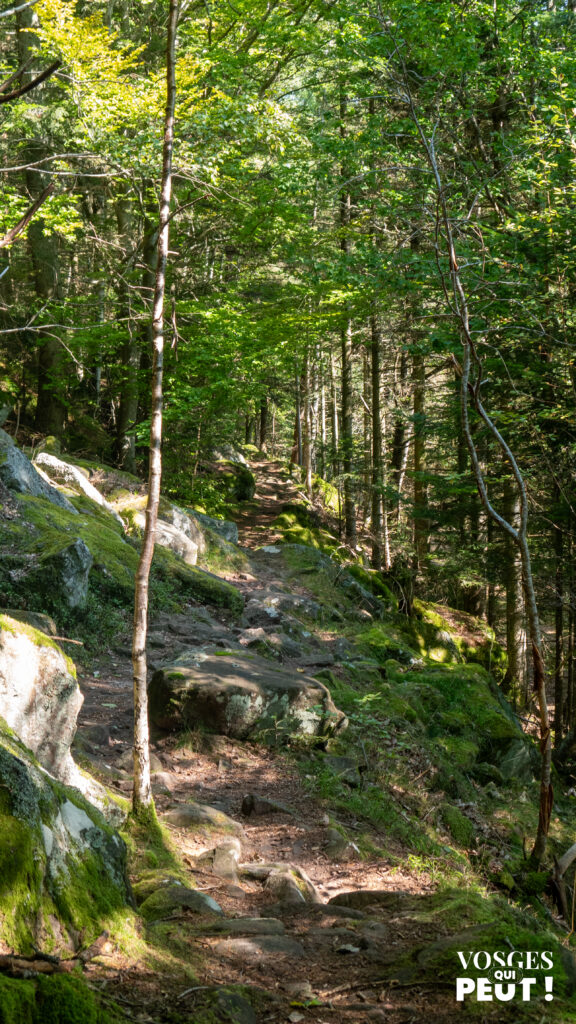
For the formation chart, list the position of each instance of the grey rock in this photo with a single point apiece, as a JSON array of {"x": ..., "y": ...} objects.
[
  {"x": 259, "y": 805},
  {"x": 227, "y": 453},
  {"x": 346, "y": 768},
  {"x": 222, "y": 527},
  {"x": 241, "y": 696},
  {"x": 39, "y": 696},
  {"x": 222, "y": 860},
  {"x": 171, "y": 537},
  {"x": 18, "y": 474},
  {"x": 293, "y": 603},
  {"x": 126, "y": 760},
  {"x": 66, "y": 572},
  {"x": 73, "y": 477},
  {"x": 289, "y": 886},
  {"x": 257, "y": 613},
  {"x": 98, "y": 735},
  {"x": 232, "y": 1008},
  {"x": 321, "y": 659},
  {"x": 248, "y": 926},
  {"x": 188, "y": 815},
  {"x": 169, "y": 899},
  {"x": 43, "y": 623},
  {"x": 361, "y": 898},
  {"x": 258, "y": 946},
  {"x": 339, "y": 848}
]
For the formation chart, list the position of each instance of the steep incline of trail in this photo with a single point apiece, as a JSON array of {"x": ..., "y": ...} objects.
[{"x": 285, "y": 855}]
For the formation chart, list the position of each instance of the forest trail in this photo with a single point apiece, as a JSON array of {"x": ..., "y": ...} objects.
[{"x": 312, "y": 960}]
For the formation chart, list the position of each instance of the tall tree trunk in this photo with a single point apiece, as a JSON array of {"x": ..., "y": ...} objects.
[
  {"x": 307, "y": 424},
  {"x": 420, "y": 487},
  {"x": 378, "y": 557},
  {"x": 53, "y": 364},
  {"x": 515, "y": 682},
  {"x": 558, "y": 622},
  {"x": 347, "y": 395},
  {"x": 142, "y": 801},
  {"x": 263, "y": 423},
  {"x": 335, "y": 447}
]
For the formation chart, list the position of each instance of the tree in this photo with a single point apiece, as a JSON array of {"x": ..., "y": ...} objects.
[{"x": 142, "y": 794}]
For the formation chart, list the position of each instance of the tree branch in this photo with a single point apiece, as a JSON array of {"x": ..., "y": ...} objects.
[
  {"x": 16, "y": 10},
  {"x": 31, "y": 85},
  {"x": 25, "y": 220}
]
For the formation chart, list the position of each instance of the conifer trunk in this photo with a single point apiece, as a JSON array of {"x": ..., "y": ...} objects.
[{"x": 142, "y": 802}]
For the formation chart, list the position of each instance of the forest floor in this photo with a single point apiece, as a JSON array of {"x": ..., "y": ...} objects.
[{"x": 321, "y": 962}]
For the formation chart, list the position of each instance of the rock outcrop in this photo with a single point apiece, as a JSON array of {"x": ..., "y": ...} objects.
[
  {"x": 39, "y": 695},
  {"x": 18, "y": 474},
  {"x": 63, "y": 868},
  {"x": 242, "y": 696}
]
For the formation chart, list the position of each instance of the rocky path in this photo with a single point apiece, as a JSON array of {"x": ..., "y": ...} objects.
[{"x": 301, "y": 918}]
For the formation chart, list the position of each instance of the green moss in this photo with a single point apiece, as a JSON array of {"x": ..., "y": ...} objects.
[
  {"x": 54, "y": 999},
  {"x": 461, "y": 828},
  {"x": 372, "y": 581},
  {"x": 187, "y": 582},
  {"x": 298, "y": 526}
]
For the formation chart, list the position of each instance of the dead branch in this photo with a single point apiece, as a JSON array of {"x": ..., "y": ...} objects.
[
  {"x": 23, "y": 89},
  {"x": 25, "y": 220}
]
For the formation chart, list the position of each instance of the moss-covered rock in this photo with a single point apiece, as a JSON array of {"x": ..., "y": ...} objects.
[
  {"x": 62, "y": 868},
  {"x": 460, "y": 827}
]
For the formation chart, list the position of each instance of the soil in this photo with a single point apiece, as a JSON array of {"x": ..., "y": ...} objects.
[{"x": 339, "y": 975}]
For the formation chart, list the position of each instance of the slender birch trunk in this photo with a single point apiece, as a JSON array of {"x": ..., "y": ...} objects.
[{"x": 142, "y": 802}]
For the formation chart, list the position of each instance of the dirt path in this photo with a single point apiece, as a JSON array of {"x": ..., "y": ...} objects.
[{"x": 322, "y": 963}]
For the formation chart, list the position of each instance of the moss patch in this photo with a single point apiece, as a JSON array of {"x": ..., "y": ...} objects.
[{"x": 55, "y": 999}]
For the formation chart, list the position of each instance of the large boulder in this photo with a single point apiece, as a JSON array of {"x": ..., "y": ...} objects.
[
  {"x": 171, "y": 537},
  {"x": 241, "y": 696},
  {"x": 18, "y": 474},
  {"x": 64, "y": 574},
  {"x": 222, "y": 527},
  {"x": 39, "y": 695},
  {"x": 62, "y": 868},
  {"x": 73, "y": 477},
  {"x": 186, "y": 524}
]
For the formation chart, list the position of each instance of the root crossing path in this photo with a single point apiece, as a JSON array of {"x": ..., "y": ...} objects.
[{"x": 308, "y": 925}]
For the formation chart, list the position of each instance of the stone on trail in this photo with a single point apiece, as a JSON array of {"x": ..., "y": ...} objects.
[
  {"x": 241, "y": 696},
  {"x": 290, "y": 886},
  {"x": 166, "y": 901},
  {"x": 259, "y": 805},
  {"x": 248, "y": 926},
  {"x": 388, "y": 899},
  {"x": 191, "y": 814},
  {"x": 259, "y": 946},
  {"x": 222, "y": 860}
]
